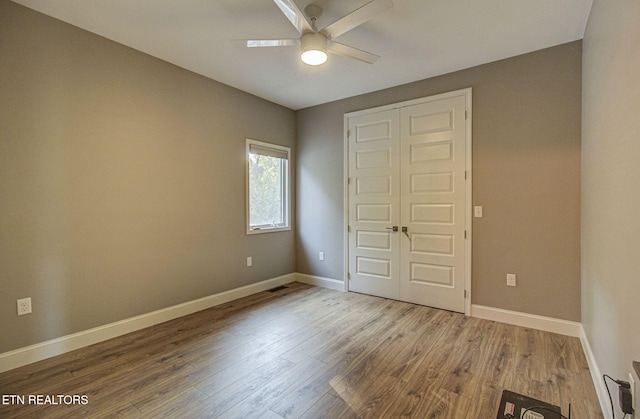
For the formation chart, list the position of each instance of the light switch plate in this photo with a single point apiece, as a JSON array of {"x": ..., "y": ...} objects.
[
  {"x": 511, "y": 280},
  {"x": 477, "y": 211}
]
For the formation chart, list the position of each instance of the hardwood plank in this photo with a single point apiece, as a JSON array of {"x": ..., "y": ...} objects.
[
  {"x": 236, "y": 362},
  {"x": 176, "y": 405},
  {"x": 300, "y": 399},
  {"x": 329, "y": 407},
  {"x": 259, "y": 403},
  {"x": 446, "y": 405},
  {"x": 441, "y": 342},
  {"x": 107, "y": 408},
  {"x": 486, "y": 402},
  {"x": 226, "y": 396},
  {"x": 374, "y": 399},
  {"x": 362, "y": 314}
]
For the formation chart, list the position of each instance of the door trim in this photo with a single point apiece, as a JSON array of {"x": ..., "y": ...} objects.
[{"x": 468, "y": 186}]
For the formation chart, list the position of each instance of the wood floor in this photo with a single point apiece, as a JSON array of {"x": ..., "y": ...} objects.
[{"x": 307, "y": 352}]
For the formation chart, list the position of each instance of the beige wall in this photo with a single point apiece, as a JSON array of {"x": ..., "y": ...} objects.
[
  {"x": 526, "y": 175},
  {"x": 122, "y": 181},
  {"x": 611, "y": 185}
]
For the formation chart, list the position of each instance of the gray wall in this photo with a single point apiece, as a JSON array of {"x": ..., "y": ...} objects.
[
  {"x": 526, "y": 175},
  {"x": 610, "y": 185},
  {"x": 122, "y": 181}
]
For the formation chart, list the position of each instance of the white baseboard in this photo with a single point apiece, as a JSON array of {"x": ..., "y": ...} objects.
[
  {"x": 548, "y": 324},
  {"x": 58, "y": 346},
  {"x": 596, "y": 375},
  {"x": 319, "y": 281}
]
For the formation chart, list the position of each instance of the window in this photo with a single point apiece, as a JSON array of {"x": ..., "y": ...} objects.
[{"x": 267, "y": 187}]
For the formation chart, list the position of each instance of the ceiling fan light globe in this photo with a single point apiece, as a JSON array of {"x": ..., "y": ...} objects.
[
  {"x": 313, "y": 48},
  {"x": 313, "y": 57}
]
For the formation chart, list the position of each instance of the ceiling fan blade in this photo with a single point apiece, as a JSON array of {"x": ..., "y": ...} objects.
[
  {"x": 295, "y": 16},
  {"x": 262, "y": 43},
  {"x": 356, "y": 18},
  {"x": 351, "y": 52}
]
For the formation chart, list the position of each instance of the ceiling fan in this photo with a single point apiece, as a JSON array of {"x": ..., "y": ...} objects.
[{"x": 314, "y": 43}]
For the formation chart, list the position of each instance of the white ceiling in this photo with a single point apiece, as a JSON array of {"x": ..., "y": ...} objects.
[{"x": 416, "y": 39}]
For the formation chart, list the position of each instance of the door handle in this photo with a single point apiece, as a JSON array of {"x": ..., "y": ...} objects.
[
  {"x": 394, "y": 228},
  {"x": 405, "y": 230}
]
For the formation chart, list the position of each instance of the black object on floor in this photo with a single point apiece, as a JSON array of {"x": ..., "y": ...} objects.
[{"x": 512, "y": 405}]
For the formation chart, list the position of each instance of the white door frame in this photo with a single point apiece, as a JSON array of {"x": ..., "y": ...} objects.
[{"x": 468, "y": 187}]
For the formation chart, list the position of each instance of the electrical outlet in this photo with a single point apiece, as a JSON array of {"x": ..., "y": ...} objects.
[
  {"x": 249, "y": 261},
  {"x": 24, "y": 306},
  {"x": 321, "y": 255},
  {"x": 632, "y": 382},
  {"x": 511, "y": 280}
]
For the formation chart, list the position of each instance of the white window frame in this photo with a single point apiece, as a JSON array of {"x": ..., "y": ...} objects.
[{"x": 286, "y": 188}]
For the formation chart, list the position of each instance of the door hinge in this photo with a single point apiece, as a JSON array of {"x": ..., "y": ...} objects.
[
  {"x": 465, "y": 175},
  {"x": 466, "y": 115},
  {"x": 465, "y": 294},
  {"x": 465, "y": 234},
  {"x": 348, "y": 229},
  {"x": 348, "y": 275},
  {"x": 348, "y": 181}
]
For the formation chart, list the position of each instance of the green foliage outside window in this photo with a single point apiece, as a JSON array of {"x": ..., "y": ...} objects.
[{"x": 267, "y": 191}]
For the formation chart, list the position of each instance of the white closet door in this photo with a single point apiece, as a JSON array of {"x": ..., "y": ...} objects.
[
  {"x": 374, "y": 200},
  {"x": 407, "y": 169},
  {"x": 433, "y": 203}
]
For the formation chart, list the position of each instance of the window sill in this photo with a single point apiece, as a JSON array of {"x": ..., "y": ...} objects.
[{"x": 262, "y": 230}]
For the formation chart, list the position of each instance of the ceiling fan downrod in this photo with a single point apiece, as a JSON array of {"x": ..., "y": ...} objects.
[{"x": 313, "y": 12}]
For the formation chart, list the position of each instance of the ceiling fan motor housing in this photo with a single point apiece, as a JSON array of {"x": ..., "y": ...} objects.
[{"x": 313, "y": 11}]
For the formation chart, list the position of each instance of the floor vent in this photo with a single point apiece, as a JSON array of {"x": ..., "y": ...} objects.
[{"x": 280, "y": 288}]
